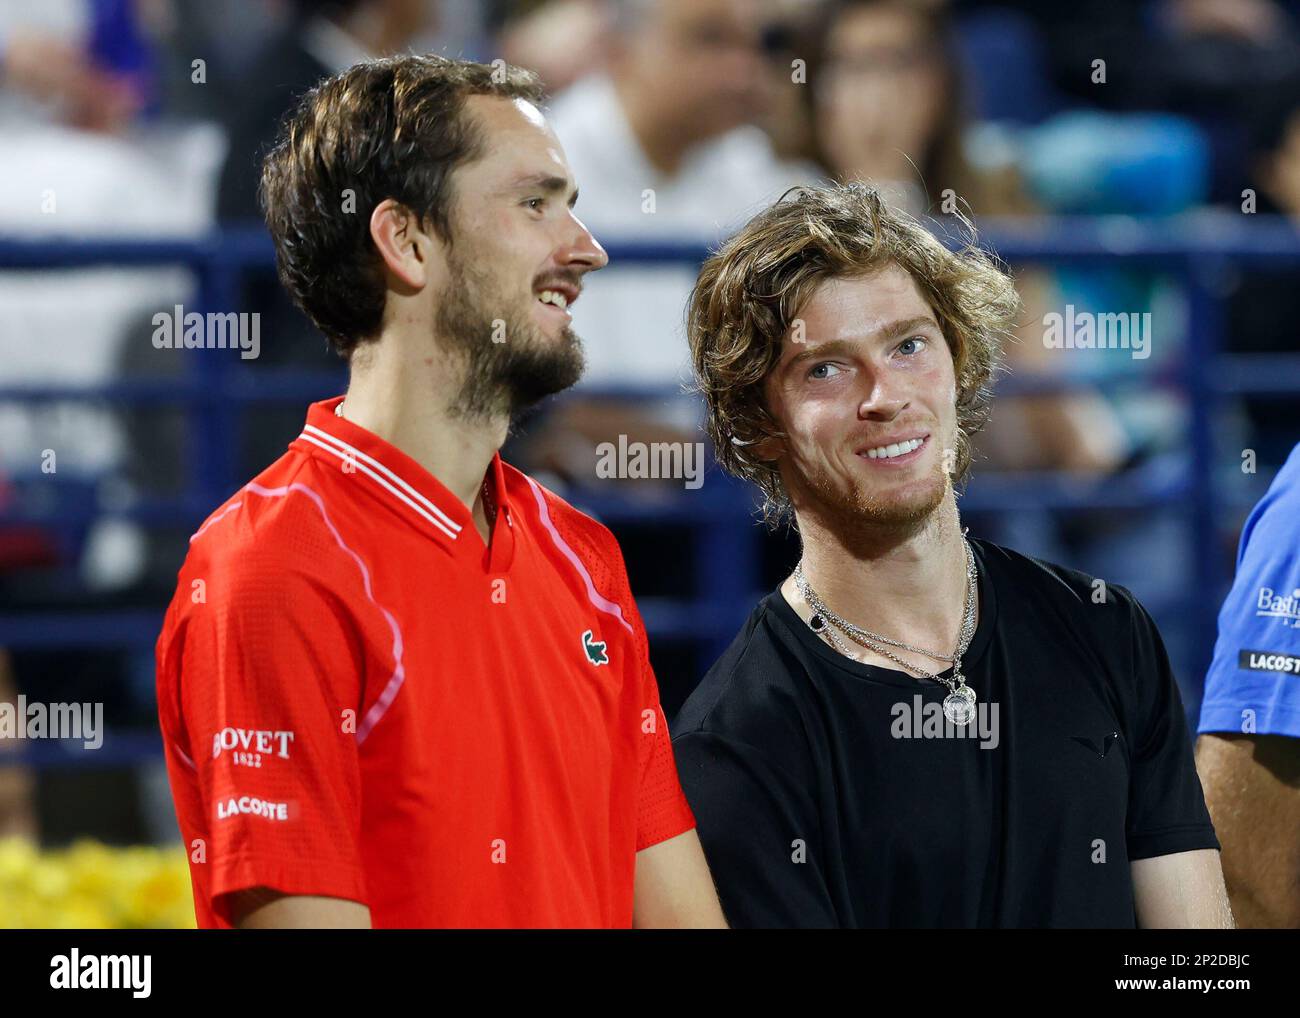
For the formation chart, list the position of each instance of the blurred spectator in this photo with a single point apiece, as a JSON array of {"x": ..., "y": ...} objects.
[
  {"x": 561, "y": 40},
  {"x": 85, "y": 63},
  {"x": 61, "y": 179},
  {"x": 889, "y": 106},
  {"x": 321, "y": 38},
  {"x": 1264, "y": 301},
  {"x": 1207, "y": 59},
  {"x": 84, "y": 157},
  {"x": 789, "y": 35},
  {"x": 664, "y": 147}
]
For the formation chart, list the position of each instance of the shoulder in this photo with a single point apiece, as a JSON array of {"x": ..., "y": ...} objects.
[
  {"x": 274, "y": 537},
  {"x": 1066, "y": 611},
  {"x": 1037, "y": 583},
  {"x": 751, "y": 694},
  {"x": 581, "y": 546},
  {"x": 566, "y": 525},
  {"x": 1277, "y": 515}
]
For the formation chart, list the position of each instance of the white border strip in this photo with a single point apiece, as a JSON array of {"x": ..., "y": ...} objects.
[
  {"x": 385, "y": 700},
  {"x": 229, "y": 509},
  {"x": 445, "y": 527},
  {"x": 358, "y": 454},
  {"x": 594, "y": 596}
]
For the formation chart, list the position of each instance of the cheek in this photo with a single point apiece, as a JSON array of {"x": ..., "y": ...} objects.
[
  {"x": 815, "y": 432},
  {"x": 940, "y": 378}
]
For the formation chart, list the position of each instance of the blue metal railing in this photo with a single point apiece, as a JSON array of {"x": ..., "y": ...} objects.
[{"x": 213, "y": 394}]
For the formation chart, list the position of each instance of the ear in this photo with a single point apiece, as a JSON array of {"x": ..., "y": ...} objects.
[
  {"x": 760, "y": 450},
  {"x": 771, "y": 447},
  {"x": 766, "y": 450},
  {"x": 408, "y": 250}
]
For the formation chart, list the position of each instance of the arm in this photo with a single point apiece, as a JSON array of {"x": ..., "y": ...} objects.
[
  {"x": 759, "y": 827},
  {"x": 1249, "y": 752},
  {"x": 262, "y": 908},
  {"x": 1172, "y": 848},
  {"x": 261, "y": 685},
  {"x": 674, "y": 889},
  {"x": 1252, "y": 786},
  {"x": 1181, "y": 891}
]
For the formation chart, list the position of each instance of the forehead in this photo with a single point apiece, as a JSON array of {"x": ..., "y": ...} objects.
[
  {"x": 848, "y": 307},
  {"x": 516, "y": 138},
  {"x": 881, "y": 26},
  {"x": 693, "y": 13}
]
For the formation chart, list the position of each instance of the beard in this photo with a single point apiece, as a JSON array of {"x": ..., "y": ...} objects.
[
  {"x": 848, "y": 510},
  {"x": 510, "y": 363}
]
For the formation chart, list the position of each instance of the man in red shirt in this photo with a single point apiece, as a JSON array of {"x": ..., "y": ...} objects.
[{"x": 400, "y": 683}]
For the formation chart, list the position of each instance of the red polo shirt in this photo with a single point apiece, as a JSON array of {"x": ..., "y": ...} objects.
[{"x": 359, "y": 699}]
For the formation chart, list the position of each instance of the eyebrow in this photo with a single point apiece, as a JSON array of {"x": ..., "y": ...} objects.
[
  {"x": 892, "y": 331},
  {"x": 547, "y": 182}
]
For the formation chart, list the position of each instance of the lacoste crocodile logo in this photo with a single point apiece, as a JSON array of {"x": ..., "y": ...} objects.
[{"x": 595, "y": 649}]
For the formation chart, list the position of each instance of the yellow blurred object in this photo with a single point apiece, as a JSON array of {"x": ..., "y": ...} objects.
[{"x": 94, "y": 886}]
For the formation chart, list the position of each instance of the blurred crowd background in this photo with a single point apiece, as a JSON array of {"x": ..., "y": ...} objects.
[{"x": 130, "y": 125}]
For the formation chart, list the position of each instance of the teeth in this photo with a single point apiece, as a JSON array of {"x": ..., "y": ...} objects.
[
  {"x": 888, "y": 452},
  {"x": 554, "y": 297}
]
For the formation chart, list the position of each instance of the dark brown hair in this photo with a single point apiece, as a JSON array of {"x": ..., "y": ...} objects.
[
  {"x": 750, "y": 292},
  {"x": 392, "y": 128}
]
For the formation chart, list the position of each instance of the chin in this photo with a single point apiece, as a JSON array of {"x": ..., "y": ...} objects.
[
  {"x": 542, "y": 370},
  {"x": 853, "y": 505}
]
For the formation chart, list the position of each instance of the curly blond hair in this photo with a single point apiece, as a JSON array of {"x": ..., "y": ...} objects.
[{"x": 753, "y": 288}]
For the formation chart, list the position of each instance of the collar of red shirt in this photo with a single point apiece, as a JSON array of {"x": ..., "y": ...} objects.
[{"x": 415, "y": 492}]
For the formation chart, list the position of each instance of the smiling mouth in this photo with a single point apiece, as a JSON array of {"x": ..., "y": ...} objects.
[
  {"x": 899, "y": 450},
  {"x": 559, "y": 297}
]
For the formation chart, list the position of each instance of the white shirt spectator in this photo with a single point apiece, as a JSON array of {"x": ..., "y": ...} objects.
[{"x": 631, "y": 317}]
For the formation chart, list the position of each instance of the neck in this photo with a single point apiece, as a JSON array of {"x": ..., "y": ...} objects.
[
  {"x": 662, "y": 141},
  {"x": 909, "y": 585},
  {"x": 402, "y": 397}
]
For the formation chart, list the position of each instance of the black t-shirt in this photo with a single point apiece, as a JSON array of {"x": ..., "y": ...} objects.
[{"x": 821, "y": 802}]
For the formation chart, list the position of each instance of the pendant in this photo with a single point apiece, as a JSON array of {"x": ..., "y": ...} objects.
[{"x": 959, "y": 706}]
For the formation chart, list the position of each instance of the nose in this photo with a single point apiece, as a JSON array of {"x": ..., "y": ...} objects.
[
  {"x": 583, "y": 249},
  {"x": 882, "y": 401}
]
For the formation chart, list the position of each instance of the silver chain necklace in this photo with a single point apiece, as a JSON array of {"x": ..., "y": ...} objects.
[{"x": 959, "y": 704}]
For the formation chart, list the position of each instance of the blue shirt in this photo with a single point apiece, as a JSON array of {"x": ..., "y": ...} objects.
[{"x": 1253, "y": 685}]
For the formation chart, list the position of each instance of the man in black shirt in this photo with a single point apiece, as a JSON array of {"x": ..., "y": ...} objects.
[{"x": 915, "y": 729}]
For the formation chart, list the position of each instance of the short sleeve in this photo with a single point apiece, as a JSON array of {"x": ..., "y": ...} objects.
[
  {"x": 1166, "y": 812},
  {"x": 759, "y": 831},
  {"x": 268, "y": 678},
  {"x": 1253, "y": 684},
  {"x": 662, "y": 809}
]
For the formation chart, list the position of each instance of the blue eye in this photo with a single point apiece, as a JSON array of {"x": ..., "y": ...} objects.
[
  {"x": 911, "y": 340},
  {"x": 813, "y": 371}
]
